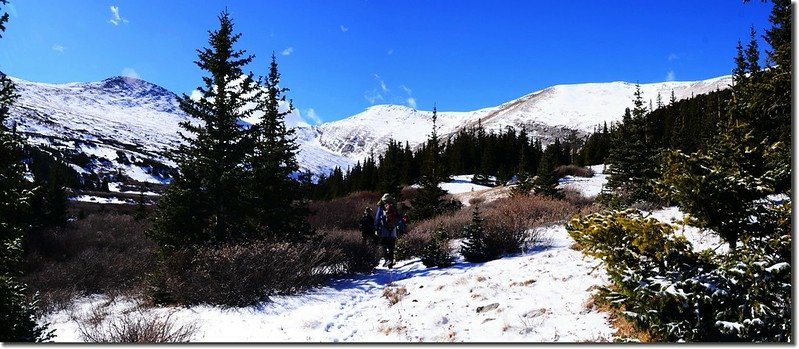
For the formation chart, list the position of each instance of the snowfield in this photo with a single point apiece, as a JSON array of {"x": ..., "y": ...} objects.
[{"x": 541, "y": 295}]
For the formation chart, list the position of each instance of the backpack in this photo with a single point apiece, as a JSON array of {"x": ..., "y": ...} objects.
[{"x": 392, "y": 216}]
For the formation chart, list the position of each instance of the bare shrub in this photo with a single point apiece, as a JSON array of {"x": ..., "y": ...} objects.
[
  {"x": 528, "y": 211},
  {"x": 243, "y": 274},
  {"x": 133, "y": 327},
  {"x": 394, "y": 294},
  {"x": 341, "y": 213},
  {"x": 573, "y": 170},
  {"x": 103, "y": 253},
  {"x": 358, "y": 255}
]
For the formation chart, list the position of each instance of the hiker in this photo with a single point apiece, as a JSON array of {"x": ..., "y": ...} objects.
[
  {"x": 367, "y": 226},
  {"x": 387, "y": 219}
]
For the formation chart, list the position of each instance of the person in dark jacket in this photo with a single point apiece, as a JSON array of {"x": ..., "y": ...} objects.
[
  {"x": 367, "y": 226},
  {"x": 387, "y": 219}
]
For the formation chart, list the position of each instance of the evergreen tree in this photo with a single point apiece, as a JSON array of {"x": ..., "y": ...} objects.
[
  {"x": 429, "y": 201},
  {"x": 546, "y": 181},
  {"x": 17, "y": 314},
  {"x": 437, "y": 251},
  {"x": 277, "y": 198},
  {"x": 203, "y": 203},
  {"x": 389, "y": 171},
  {"x": 634, "y": 157},
  {"x": 474, "y": 247}
]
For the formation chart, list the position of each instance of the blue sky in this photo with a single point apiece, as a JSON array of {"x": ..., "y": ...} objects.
[{"x": 340, "y": 57}]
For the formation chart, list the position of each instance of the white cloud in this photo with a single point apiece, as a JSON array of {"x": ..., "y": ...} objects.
[
  {"x": 670, "y": 76},
  {"x": 673, "y": 57},
  {"x": 373, "y": 96},
  {"x": 382, "y": 83},
  {"x": 407, "y": 90},
  {"x": 130, "y": 73},
  {"x": 390, "y": 51},
  {"x": 412, "y": 102},
  {"x": 288, "y": 51},
  {"x": 344, "y": 29},
  {"x": 311, "y": 114},
  {"x": 58, "y": 48},
  {"x": 116, "y": 18}
]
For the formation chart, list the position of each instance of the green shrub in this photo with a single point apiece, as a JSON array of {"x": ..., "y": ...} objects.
[
  {"x": 437, "y": 252},
  {"x": 677, "y": 294}
]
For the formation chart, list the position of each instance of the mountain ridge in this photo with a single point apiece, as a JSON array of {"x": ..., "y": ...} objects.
[{"x": 122, "y": 118}]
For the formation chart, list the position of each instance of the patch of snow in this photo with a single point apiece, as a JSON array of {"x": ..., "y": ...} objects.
[
  {"x": 101, "y": 200},
  {"x": 539, "y": 296}
]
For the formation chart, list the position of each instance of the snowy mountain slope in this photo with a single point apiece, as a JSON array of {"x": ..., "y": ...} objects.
[
  {"x": 124, "y": 124},
  {"x": 546, "y": 114},
  {"x": 129, "y": 125}
]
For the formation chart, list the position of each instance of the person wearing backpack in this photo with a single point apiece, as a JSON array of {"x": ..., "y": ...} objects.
[{"x": 387, "y": 220}]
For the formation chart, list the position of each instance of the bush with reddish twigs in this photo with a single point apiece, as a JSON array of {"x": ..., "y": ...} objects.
[
  {"x": 103, "y": 253},
  {"x": 358, "y": 255},
  {"x": 242, "y": 274},
  {"x": 574, "y": 170},
  {"x": 342, "y": 213}
]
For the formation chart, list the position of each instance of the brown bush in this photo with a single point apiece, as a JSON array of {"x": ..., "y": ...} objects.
[
  {"x": 243, "y": 274},
  {"x": 341, "y": 213},
  {"x": 574, "y": 170},
  {"x": 358, "y": 255},
  {"x": 103, "y": 253},
  {"x": 133, "y": 327},
  {"x": 528, "y": 211}
]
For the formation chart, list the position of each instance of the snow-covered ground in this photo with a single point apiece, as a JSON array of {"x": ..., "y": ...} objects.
[
  {"x": 101, "y": 200},
  {"x": 542, "y": 295}
]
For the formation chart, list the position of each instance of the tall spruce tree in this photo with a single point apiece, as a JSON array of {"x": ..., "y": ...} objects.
[
  {"x": 17, "y": 314},
  {"x": 279, "y": 201},
  {"x": 203, "y": 203},
  {"x": 429, "y": 200},
  {"x": 634, "y": 157}
]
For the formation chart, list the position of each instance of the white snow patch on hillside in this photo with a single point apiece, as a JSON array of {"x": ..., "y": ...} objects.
[
  {"x": 462, "y": 184},
  {"x": 588, "y": 187}
]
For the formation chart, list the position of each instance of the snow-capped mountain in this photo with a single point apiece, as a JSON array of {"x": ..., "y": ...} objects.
[
  {"x": 551, "y": 113},
  {"x": 129, "y": 125}
]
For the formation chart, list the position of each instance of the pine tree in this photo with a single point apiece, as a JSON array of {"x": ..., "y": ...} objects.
[
  {"x": 278, "y": 200},
  {"x": 429, "y": 200},
  {"x": 474, "y": 247},
  {"x": 203, "y": 203},
  {"x": 634, "y": 157},
  {"x": 546, "y": 180},
  {"x": 437, "y": 251},
  {"x": 17, "y": 314}
]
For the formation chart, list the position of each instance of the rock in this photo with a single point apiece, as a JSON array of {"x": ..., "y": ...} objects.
[{"x": 485, "y": 308}]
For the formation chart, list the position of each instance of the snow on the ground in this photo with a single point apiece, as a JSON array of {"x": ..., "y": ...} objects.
[
  {"x": 462, "y": 184},
  {"x": 699, "y": 239},
  {"x": 101, "y": 200},
  {"x": 540, "y": 296},
  {"x": 589, "y": 187}
]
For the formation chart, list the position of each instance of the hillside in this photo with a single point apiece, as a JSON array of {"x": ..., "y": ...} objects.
[{"x": 131, "y": 126}]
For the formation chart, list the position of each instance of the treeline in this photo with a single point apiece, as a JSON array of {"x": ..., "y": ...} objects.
[
  {"x": 509, "y": 154},
  {"x": 495, "y": 158}
]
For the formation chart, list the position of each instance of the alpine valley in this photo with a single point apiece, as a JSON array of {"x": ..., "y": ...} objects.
[{"x": 126, "y": 126}]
